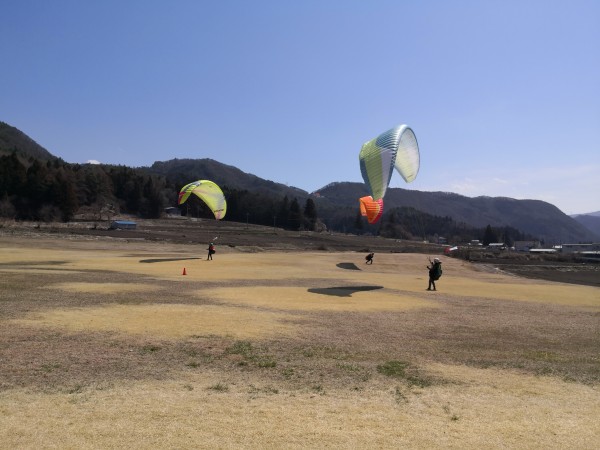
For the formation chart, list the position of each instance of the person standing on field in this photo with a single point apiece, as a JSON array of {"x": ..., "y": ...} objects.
[
  {"x": 211, "y": 251},
  {"x": 435, "y": 272}
]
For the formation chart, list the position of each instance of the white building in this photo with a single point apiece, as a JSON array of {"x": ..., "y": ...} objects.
[
  {"x": 579, "y": 248},
  {"x": 525, "y": 246}
]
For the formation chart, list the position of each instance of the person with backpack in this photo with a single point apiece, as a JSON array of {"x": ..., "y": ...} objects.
[
  {"x": 435, "y": 272},
  {"x": 211, "y": 251}
]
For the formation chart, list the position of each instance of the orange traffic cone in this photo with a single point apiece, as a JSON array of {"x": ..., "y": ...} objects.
[{"x": 184, "y": 273}]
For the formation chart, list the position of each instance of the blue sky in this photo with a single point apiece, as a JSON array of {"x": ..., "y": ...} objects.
[{"x": 503, "y": 96}]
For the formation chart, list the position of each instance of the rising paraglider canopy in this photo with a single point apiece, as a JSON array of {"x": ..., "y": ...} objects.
[
  {"x": 209, "y": 193},
  {"x": 395, "y": 148},
  {"x": 372, "y": 209}
]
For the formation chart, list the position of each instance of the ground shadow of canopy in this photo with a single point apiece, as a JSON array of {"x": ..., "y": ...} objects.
[
  {"x": 164, "y": 260},
  {"x": 343, "y": 291},
  {"x": 348, "y": 266}
]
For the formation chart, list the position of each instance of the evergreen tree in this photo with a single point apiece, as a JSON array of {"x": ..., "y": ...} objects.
[
  {"x": 283, "y": 213},
  {"x": 13, "y": 175},
  {"x": 37, "y": 187},
  {"x": 63, "y": 197},
  {"x": 489, "y": 236},
  {"x": 310, "y": 214},
  {"x": 152, "y": 203},
  {"x": 295, "y": 216},
  {"x": 132, "y": 195}
]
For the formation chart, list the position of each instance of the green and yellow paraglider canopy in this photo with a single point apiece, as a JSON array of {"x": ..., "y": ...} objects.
[
  {"x": 209, "y": 193},
  {"x": 396, "y": 148}
]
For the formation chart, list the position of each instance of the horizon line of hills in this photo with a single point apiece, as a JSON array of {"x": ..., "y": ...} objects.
[{"x": 62, "y": 189}]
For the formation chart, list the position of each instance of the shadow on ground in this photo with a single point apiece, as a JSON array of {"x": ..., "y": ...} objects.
[
  {"x": 164, "y": 260},
  {"x": 343, "y": 291}
]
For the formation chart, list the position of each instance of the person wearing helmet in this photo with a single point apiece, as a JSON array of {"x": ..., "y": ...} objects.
[{"x": 435, "y": 272}]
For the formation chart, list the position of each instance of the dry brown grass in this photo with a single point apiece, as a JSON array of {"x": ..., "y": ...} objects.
[{"x": 105, "y": 344}]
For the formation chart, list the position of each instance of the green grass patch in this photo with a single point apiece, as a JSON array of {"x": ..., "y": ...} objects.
[
  {"x": 264, "y": 390},
  {"x": 50, "y": 367},
  {"x": 288, "y": 373},
  {"x": 399, "y": 396},
  {"x": 243, "y": 348},
  {"x": 251, "y": 355},
  {"x": 148, "y": 349},
  {"x": 395, "y": 369},
  {"x": 352, "y": 368},
  {"x": 265, "y": 362},
  {"x": 219, "y": 387},
  {"x": 403, "y": 370},
  {"x": 319, "y": 389},
  {"x": 326, "y": 352},
  {"x": 542, "y": 355}
]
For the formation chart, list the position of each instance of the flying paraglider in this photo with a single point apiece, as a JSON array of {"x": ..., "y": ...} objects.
[
  {"x": 209, "y": 193},
  {"x": 396, "y": 148},
  {"x": 372, "y": 209}
]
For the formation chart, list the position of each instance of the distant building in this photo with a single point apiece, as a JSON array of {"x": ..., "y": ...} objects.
[
  {"x": 172, "y": 211},
  {"x": 580, "y": 248},
  {"x": 542, "y": 250},
  {"x": 123, "y": 225},
  {"x": 525, "y": 246}
]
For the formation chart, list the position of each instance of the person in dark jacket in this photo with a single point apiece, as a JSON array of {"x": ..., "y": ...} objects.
[
  {"x": 211, "y": 251},
  {"x": 435, "y": 272},
  {"x": 369, "y": 258}
]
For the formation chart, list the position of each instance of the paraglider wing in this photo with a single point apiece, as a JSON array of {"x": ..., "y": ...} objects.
[
  {"x": 372, "y": 209},
  {"x": 376, "y": 166},
  {"x": 407, "y": 157},
  {"x": 209, "y": 193},
  {"x": 397, "y": 148}
]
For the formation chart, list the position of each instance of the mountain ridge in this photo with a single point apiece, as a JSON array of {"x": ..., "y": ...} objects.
[
  {"x": 534, "y": 217},
  {"x": 590, "y": 221},
  {"x": 13, "y": 139}
]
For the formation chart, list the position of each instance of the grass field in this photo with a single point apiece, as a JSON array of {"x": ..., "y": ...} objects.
[{"x": 104, "y": 343}]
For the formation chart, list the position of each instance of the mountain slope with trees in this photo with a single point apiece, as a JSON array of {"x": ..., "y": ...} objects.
[
  {"x": 35, "y": 185},
  {"x": 12, "y": 139},
  {"x": 537, "y": 218},
  {"x": 184, "y": 171}
]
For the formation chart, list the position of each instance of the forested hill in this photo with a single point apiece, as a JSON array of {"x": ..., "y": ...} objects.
[
  {"x": 35, "y": 185},
  {"x": 183, "y": 171},
  {"x": 12, "y": 139},
  {"x": 534, "y": 217}
]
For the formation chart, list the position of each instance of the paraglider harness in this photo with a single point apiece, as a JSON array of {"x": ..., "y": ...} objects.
[
  {"x": 435, "y": 272},
  {"x": 211, "y": 249}
]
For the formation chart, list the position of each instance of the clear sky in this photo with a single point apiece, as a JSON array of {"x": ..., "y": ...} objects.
[{"x": 503, "y": 96}]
